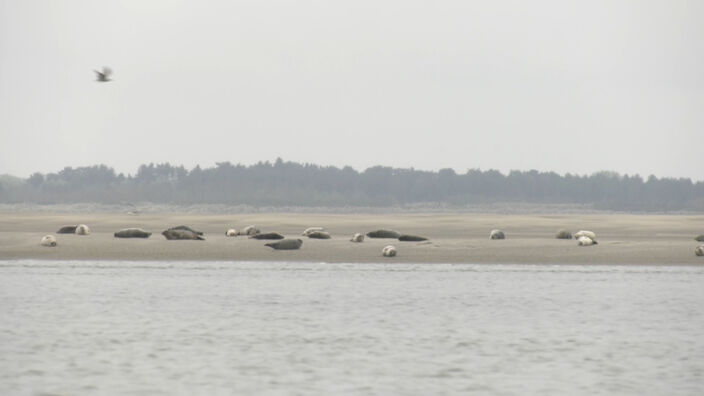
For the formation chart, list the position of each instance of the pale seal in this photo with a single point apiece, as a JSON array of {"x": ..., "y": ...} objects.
[
  {"x": 231, "y": 232},
  {"x": 383, "y": 234},
  {"x": 132, "y": 233},
  {"x": 586, "y": 241},
  {"x": 181, "y": 234},
  {"x": 389, "y": 251},
  {"x": 311, "y": 229},
  {"x": 357, "y": 237},
  {"x": 563, "y": 234},
  {"x": 497, "y": 234},
  {"x": 699, "y": 251},
  {"x": 267, "y": 235},
  {"x": 250, "y": 230},
  {"x": 319, "y": 235},
  {"x": 285, "y": 244},
  {"x": 588, "y": 234},
  {"x": 48, "y": 240},
  {"x": 82, "y": 229}
]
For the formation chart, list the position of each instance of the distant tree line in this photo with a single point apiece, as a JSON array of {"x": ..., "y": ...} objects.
[{"x": 293, "y": 184}]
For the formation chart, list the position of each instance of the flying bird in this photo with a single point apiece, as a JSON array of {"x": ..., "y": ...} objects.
[{"x": 103, "y": 76}]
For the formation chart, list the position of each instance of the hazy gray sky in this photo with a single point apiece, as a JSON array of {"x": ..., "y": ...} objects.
[{"x": 550, "y": 85}]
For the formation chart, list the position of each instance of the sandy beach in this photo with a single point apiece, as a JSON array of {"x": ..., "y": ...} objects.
[{"x": 454, "y": 238}]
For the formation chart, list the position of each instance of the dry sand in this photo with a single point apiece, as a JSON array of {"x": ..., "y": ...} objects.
[{"x": 454, "y": 238}]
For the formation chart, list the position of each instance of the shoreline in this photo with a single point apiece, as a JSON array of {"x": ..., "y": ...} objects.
[{"x": 455, "y": 238}]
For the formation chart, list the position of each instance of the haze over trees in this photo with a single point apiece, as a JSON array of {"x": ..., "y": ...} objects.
[{"x": 293, "y": 184}]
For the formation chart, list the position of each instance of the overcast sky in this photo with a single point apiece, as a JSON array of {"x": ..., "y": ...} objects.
[{"x": 549, "y": 85}]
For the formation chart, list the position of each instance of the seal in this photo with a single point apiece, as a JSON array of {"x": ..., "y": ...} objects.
[
  {"x": 250, "y": 230},
  {"x": 181, "y": 235},
  {"x": 267, "y": 235},
  {"x": 388, "y": 251},
  {"x": 285, "y": 244},
  {"x": 132, "y": 233},
  {"x": 48, "y": 240},
  {"x": 70, "y": 229},
  {"x": 231, "y": 232},
  {"x": 312, "y": 229},
  {"x": 563, "y": 234},
  {"x": 699, "y": 238},
  {"x": 587, "y": 234},
  {"x": 497, "y": 234},
  {"x": 82, "y": 229},
  {"x": 357, "y": 237},
  {"x": 411, "y": 238},
  {"x": 186, "y": 228},
  {"x": 319, "y": 235},
  {"x": 586, "y": 241},
  {"x": 699, "y": 251},
  {"x": 383, "y": 234}
]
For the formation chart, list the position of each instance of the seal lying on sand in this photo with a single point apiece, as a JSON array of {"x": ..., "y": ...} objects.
[
  {"x": 411, "y": 238},
  {"x": 267, "y": 235},
  {"x": 181, "y": 234},
  {"x": 185, "y": 228},
  {"x": 231, "y": 232},
  {"x": 497, "y": 234},
  {"x": 319, "y": 235},
  {"x": 563, "y": 234},
  {"x": 586, "y": 241},
  {"x": 389, "y": 251},
  {"x": 132, "y": 233},
  {"x": 699, "y": 251},
  {"x": 587, "y": 234},
  {"x": 250, "y": 230},
  {"x": 82, "y": 229},
  {"x": 383, "y": 234},
  {"x": 67, "y": 230},
  {"x": 699, "y": 238},
  {"x": 357, "y": 237},
  {"x": 286, "y": 244},
  {"x": 311, "y": 229},
  {"x": 48, "y": 240}
]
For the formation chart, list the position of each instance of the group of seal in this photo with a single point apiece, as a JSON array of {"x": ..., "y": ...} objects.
[{"x": 80, "y": 229}]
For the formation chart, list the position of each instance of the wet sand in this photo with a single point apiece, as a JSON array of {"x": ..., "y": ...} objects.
[{"x": 454, "y": 238}]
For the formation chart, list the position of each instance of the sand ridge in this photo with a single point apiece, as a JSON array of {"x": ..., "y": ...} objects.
[{"x": 454, "y": 238}]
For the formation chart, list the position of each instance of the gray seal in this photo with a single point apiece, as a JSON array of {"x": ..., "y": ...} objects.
[
  {"x": 286, "y": 244},
  {"x": 383, "y": 234},
  {"x": 132, "y": 233},
  {"x": 563, "y": 234},
  {"x": 71, "y": 229},
  {"x": 411, "y": 238},
  {"x": 267, "y": 235},
  {"x": 497, "y": 234},
  {"x": 319, "y": 235},
  {"x": 181, "y": 234},
  {"x": 699, "y": 238},
  {"x": 186, "y": 228}
]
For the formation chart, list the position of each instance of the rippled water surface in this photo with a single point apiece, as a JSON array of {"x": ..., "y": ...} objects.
[{"x": 210, "y": 328}]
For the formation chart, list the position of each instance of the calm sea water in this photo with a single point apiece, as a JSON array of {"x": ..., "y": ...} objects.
[{"x": 216, "y": 328}]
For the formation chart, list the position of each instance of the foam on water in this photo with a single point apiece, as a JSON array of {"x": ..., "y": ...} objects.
[{"x": 113, "y": 327}]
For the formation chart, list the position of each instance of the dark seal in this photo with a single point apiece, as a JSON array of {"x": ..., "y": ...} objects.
[
  {"x": 267, "y": 235},
  {"x": 563, "y": 234},
  {"x": 286, "y": 244},
  {"x": 383, "y": 234},
  {"x": 411, "y": 238},
  {"x": 186, "y": 228},
  {"x": 132, "y": 233},
  {"x": 67, "y": 229},
  {"x": 181, "y": 234}
]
